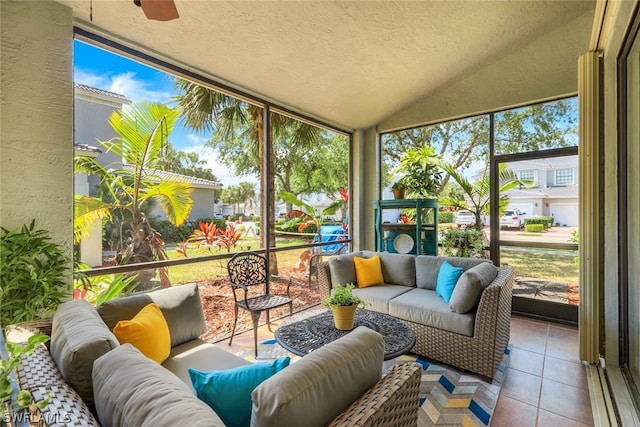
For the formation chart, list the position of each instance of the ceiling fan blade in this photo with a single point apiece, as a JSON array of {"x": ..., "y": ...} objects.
[{"x": 159, "y": 10}]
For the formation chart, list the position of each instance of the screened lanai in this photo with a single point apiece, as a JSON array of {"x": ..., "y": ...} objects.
[{"x": 361, "y": 69}]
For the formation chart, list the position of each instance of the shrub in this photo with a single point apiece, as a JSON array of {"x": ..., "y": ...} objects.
[
  {"x": 446, "y": 217},
  {"x": 534, "y": 228},
  {"x": 546, "y": 221},
  {"x": 462, "y": 242}
]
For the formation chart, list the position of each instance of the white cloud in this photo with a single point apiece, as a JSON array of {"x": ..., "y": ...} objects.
[
  {"x": 223, "y": 173},
  {"x": 126, "y": 84}
]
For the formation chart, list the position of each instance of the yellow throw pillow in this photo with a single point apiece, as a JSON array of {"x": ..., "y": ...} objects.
[
  {"x": 148, "y": 332},
  {"x": 368, "y": 271}
]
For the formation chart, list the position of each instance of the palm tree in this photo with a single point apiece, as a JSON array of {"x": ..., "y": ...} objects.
[
  {"x": 477, "y": 192},
  {"x": 126, "y": 192},
  {"x": 205, "y": 109}
]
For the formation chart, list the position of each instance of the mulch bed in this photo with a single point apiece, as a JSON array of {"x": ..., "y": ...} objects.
[{"x": 217, "y": 302}]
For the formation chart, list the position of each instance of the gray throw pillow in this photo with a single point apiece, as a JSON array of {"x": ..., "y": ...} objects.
[
  {"x": 427, "y": 269},
  {"x": 467, "y": 292},
  {"x": 180, "y": 306},
  {"x": 132, "y": 390},
  {"x": 78, "y": 338},
  {"x": 398, "y": 269},
  {"x": 343, "y": 269}
]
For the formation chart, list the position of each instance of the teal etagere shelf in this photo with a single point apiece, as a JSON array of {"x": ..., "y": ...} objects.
[{"x": 419, "y": 237}]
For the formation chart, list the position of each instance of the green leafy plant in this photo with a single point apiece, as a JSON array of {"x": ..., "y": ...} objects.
[
  {"x": 100, "y": 289},
  {"x": 313, "y": 218},
  {"x": 461, "y": 242},
  {"x": 36, "y": 274},
  {"x": 7, "y": 370},
  {"x": 420, "y": 176},
  {"x": 343, "y": 295}
]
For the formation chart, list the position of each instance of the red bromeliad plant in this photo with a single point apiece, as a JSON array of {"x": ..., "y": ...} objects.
[{"x": 208, "y": 235}]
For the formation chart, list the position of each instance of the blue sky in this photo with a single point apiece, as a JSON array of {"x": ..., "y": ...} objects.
[{"x": 104, "y": 70}]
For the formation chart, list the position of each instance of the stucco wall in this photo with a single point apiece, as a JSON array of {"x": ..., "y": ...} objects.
[{"x": 36, "y": 128}]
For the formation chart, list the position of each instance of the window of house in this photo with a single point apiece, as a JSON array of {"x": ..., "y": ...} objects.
[
  {"x": 564, "y": 176},
  {"x": 530, "y": 175}
]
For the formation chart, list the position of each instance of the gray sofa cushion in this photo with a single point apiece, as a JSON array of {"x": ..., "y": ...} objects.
[
  {"x": 202, "y": 356},
  {"x": 468, "y": 290},
  {"x": 428, "y": 267},
  {"x": 378, "y": 297},
  {"x": 397, "y": 269},
  {"x": 317, "y": 388},
  {"x": 180, "y": 306},
  {"x": 343, "y": 269},
  {"x": 425, "y": 307},
  {"x": 78, "y": 337},
  {"x": 133, "y": 390}
]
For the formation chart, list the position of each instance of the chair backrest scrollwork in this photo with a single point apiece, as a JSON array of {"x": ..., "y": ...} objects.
[{"x": 247, "y": 268}]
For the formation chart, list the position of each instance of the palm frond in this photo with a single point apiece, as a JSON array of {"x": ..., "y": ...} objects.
[
  {"x": 173, "y": 197},
  {"x": 88, "y": 211}
]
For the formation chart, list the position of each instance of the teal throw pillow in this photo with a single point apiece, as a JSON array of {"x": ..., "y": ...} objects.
[
  {"x": 229, "y": 392},
  {"x": 447, "y": 278}
]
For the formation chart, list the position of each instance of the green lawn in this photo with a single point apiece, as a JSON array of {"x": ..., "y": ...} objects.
[
  {"x": 199, "y": 271},
  {"x": 557, "y": 265}
]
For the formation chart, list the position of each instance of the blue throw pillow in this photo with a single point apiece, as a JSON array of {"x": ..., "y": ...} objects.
[
  {"x": 229, "y": 392},
  {"x": 447, "y": 278}
]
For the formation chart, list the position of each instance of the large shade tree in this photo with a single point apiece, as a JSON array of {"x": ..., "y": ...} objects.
[
  {"x": 237, "y": 132},
  {"x": 127, "y": 190},
  {"x": 465, "y": 143}
]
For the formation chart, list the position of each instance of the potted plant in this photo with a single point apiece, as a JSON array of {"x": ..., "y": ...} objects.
[
  {"x": 36, "y": 274},
  {"x": 398, "y": 189},
  {"x": 343, "y": 303},
  {"x": 421, "y": 177}
]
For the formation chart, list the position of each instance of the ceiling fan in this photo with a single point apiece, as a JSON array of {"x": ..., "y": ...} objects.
[{"x": 159, "y": 10}]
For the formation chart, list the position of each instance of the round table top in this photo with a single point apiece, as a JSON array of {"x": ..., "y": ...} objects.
[{"x": 309, "y": 331}]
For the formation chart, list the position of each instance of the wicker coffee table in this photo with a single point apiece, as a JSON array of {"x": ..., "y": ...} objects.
[{"x": 307, "y": 332}]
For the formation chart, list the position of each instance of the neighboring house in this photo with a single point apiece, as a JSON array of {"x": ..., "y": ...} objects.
[
  {"x": 203, "y": 194},
  {"x": 555, "y": 189}
]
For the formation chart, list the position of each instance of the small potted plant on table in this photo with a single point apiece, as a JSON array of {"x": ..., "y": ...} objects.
[{"x": 343, "y": 303}]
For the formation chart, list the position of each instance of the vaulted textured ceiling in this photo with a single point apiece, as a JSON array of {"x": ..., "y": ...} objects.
[{"x": 351, "y": 63}]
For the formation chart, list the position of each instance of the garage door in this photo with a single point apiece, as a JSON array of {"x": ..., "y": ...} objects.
[
  {"x": 527, "y": 208},
  {"x": 565, "y": 213}
]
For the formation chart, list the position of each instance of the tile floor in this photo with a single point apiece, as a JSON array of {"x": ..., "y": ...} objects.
[{"x": 545, "y": 384}]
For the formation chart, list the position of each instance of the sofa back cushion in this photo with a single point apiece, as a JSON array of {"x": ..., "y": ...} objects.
[
  {"x": 132, "y": 390},
  {"x": 321, "y": 385},
  {"x": 468, "y": 290},
  {"x": 343, "y": 269},
  {"x": 78, "y": 338},
  {"x": 180, "y": 306},
  {"x": 397, "y": 269},
  {"x": 427, "y": 268}
]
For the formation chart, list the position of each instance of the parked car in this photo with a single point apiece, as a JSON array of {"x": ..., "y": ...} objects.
[
  {"x": 465, "y": 217},
  {"x": 512, "y": 218}
]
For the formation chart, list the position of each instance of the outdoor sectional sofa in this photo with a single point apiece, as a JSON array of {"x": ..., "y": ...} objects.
[
  {"x": 474, "y": 338},
  {"x": 94, "y": 380}
]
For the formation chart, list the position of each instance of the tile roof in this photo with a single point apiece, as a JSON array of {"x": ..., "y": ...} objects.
[
  {"x": 157, "y": 174},
  {"x": 102, "y": 92},
  {"x": 87, "y": 148}
]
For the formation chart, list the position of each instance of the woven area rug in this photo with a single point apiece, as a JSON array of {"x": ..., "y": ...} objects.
[{"x": 448, "y": 396}]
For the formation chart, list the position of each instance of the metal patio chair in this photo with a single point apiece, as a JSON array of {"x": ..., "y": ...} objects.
[{"x": 247, "y": 269}]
